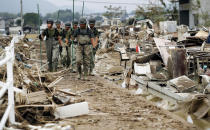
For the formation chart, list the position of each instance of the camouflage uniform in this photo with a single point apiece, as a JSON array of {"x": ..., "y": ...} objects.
[
  {"x": 68, "y": 48},
  {"x": 60, "y": 31},
  {"x": 83, "y": 50},
  {"x": 52, "y": 47},
  {"x": 96, "y": 34}
]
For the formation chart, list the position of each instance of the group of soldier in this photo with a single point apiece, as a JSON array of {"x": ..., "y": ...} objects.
[{"x": 76, "y": 46}]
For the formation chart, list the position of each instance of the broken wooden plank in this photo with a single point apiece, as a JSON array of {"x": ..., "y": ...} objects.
[
  {"x": 138, "y": 79},
  {"x": 36, "y": 97},
  {"x": 182, "y": 84},
  {"x": 22, "y": 106},
  {"x": 177, "y": 63},
  {"x": 55, "y": 82},
  {"x": 202, "y": 108},
  {"x": 163, "y": 48},
  {"x": 72, "y": 110},
  {"x": 65, "y": 92}
]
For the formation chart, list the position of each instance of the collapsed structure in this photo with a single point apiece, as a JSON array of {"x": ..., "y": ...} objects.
[{"x": 169, "y": 61}]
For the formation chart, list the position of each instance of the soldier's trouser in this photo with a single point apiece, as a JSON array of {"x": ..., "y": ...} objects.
[
  {"x": 68, "y": 61},
  {"x": 72, "y": 53},
  {"x": 83, "y": 58},
  {"x": 52, "y": 49},
  {"x": 64, "y": 56}
]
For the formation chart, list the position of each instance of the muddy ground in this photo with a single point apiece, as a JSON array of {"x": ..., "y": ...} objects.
[{"x": 115, "y": 108}]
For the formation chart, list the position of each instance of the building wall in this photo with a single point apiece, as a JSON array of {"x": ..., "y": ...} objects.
[
  {"x": 205, "y": 4},
  {"x": 2, "y": 24}
]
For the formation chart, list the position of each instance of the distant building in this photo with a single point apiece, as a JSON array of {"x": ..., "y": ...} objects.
[
  {"x": 189, "y": 13},
  {"x": 2, "y": 26}
]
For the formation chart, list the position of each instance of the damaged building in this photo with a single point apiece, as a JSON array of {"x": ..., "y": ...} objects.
[{"x": 191, "y": 13}]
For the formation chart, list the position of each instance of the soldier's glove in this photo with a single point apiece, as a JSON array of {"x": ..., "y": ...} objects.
[
  {"x": 64, "y": 45},
  {"x": 40, "y": 37}
]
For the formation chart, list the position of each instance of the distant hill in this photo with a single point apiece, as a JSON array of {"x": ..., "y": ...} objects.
[{"x": 13, "y": 6}]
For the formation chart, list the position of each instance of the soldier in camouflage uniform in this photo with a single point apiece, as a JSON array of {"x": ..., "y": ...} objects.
[
  {"x": 60, "y": 30},
  {"x": 53, "y": 40},
  {"x": 66, "y": 57},
  {"x": 94, "y": 49},
  {"x": 85, "y": 38},
  {"x": 74, "y": 46}
]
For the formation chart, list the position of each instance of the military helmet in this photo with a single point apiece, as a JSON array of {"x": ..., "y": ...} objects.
[
  {"x": 82, "y": 21},
  {"x": 92, "y": 21},
  {"x": 50, "y": 21},
  {"x": 58, "y": 22},
  {"x": 75, "y": 22},
  {"x": 67, "y": 25}
]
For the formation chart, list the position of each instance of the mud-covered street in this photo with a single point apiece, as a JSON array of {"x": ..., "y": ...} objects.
[{"x": 116, "y": 108}]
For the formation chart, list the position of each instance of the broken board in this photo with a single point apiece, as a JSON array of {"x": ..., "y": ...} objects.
[{"x": 182, "y": 84}]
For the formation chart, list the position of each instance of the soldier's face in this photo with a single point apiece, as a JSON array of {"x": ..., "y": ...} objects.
[
  {"x": 92, "y": 25},
  {"x": 49, "y": 25},
  {"x": 58, "y": 25},
  {"x": 75, "y": 26},
  {"x": 67, "y": 28},
  {"x": 82, "y": 26}
]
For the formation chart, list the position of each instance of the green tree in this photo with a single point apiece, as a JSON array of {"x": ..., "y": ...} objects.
[
  {"x": 113, "y": 12},
  {"x": 18, "y": 22},
  {"x": 31, "y": 19},
  {"x": 64, "y": 15}
]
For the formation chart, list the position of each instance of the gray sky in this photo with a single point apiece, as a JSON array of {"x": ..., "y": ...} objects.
[{"x": 99, "y": 7}]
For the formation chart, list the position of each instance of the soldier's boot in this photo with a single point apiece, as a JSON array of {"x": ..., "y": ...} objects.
[
  {"x": 91, "y": 72},
  {"x": 54, "y": 67},
  {"x": 50, "y": 68},
  {"x": 79, "y": 72},
  {"x": 85, "y": 78},
  {"x": 79, "y": 76}
]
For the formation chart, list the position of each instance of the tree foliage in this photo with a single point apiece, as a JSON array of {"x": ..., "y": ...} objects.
[
  {"x": 113, "y": 12},
  {"x": 31, "y": 19},
  {"x": 158, "y": 13},
  {"x": 63, "y": 15},
  {"x": 5, "y": 15}
]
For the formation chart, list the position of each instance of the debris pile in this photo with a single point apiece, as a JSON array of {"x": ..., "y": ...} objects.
[
  {"x": 172, "y": 62},
  {"x": 40, "y": 102}
]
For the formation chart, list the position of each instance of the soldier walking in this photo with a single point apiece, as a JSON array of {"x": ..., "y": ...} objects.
[
  {"x": 52, "y": 42},
  {"x": 94, "y": 49},
  {"x": 84, "y": 38}
]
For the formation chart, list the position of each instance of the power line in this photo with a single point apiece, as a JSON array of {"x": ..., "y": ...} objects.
[{"x": 105, "y": 2}]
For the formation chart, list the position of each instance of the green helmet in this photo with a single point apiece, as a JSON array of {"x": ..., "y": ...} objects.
[
  {"x": 92, "y": 21},
  {"x": 75, "y": 22},
  {"x": 67, "y": 25},
  {"x": 50, "y": 21},
  {"x": 82, "y": 21},
  {"x": 58, "y": 22}
]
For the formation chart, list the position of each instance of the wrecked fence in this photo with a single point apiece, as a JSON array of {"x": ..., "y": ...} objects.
[{"x": 9, "y": 61}]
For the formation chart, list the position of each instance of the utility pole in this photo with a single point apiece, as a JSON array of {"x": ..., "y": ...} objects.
[
  {"x": 83, "y": 8},
  {"x": 72, "y": 45},
  {"x": 21, "y": 13},
  {"x": 73, "y": 10},
  {"x": 58, "y": 15},
  {"x": 39, "y": 33}
]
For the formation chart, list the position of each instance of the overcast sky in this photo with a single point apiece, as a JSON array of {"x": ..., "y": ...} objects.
[{"x": 99, "y": 7}]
